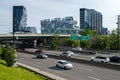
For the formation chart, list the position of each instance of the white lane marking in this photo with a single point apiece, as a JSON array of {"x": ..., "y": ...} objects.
[
  {"x": 85, "y": 69},
  {"x": 94, "y": 78}
]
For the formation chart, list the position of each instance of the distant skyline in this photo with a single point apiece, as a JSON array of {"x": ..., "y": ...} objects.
[{"x": 44, "y": 9}]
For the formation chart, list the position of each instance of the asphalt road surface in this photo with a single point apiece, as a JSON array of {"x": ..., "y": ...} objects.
[{"x": 79, "y": 71}]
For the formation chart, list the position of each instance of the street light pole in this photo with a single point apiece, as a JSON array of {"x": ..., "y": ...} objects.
[
  {"x": 118, "y": 32},
  {"x": 13, "y": 38}
]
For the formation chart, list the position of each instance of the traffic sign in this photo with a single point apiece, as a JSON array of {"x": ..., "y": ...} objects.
[
  {"x": 74, "y": 37},
  {"x": 85, "y": 37}
]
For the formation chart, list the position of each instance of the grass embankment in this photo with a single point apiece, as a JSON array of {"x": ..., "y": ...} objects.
[{"x": 12, "y": 73}]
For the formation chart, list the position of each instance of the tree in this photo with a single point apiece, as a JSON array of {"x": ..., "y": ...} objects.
[
  {"x": 55, "y": 42},
  {"x": 85, "y": 44},
  {"x": 88, "y": 44},
  {"x": 68, "y": 42},
  {"x": 114, "y": 40}
]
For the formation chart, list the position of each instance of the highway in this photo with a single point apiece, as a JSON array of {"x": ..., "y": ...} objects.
[{"x": 79, "y": 72}]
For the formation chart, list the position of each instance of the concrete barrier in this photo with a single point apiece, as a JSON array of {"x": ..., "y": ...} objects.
[{"x": 37, "y": 71}]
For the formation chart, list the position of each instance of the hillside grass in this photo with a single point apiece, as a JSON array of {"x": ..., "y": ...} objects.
[{"x": 13, "y": 73}]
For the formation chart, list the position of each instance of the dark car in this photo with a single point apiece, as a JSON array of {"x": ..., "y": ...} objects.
[
  {"x": 43, "y": 56},
  {"x": 115, "y": 59}
]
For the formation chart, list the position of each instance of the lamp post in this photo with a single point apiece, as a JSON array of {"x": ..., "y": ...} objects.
[
  {"x": 13, "y": 38},
  {"x": 118, "y": 32}
]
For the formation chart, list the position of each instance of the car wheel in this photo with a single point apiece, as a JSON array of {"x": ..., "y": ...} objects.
[
  {"x": 65, "y": 67},
  {"x": 57, "y": 65},
  {"x": 91, "y": 59}
]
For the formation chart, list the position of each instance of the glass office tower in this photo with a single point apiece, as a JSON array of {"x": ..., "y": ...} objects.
[
  {"x": 19, "y": 18},
  {"x": 90, "y": 19}
]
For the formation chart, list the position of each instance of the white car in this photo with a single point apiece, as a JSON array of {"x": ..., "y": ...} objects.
[
  {"x": 77, "y": 48},
  {"x": 67, "y": 54},
  {"x": 100, "y": 59},
  {"x": 64, "y": 64}
]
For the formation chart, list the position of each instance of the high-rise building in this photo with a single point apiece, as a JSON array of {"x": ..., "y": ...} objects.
[
  {"x": 105, "y": 31},
  {"x": 46, "y": 26},
  {"x": 58, "y": 25},
  {"x": 91, "y": 19},
  {"x": 19, "y": 18},
  {"x": 30, "y": 29}
]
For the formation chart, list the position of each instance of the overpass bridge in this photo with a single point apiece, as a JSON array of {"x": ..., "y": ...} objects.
[
  {"x": 29, "y": 39},
  {"x": 29, "y": 36}
]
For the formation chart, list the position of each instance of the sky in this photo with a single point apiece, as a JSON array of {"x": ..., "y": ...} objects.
[{"x": 44, "y": 9}]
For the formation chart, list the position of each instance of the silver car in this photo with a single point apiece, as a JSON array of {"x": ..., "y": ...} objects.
[
  {"x": 100, "y": 59},
  {"x": 67, "y": 54},
  {"x": 64, "y": 64}
]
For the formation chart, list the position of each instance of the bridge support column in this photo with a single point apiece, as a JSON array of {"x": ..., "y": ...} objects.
[{"x": 35, "y": 43}]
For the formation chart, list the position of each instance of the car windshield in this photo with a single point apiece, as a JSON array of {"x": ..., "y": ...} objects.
[
  {"x": 65, "y": 62},
  {"x": 65, "y": 53},
  {"x": 101, "y": 57}
]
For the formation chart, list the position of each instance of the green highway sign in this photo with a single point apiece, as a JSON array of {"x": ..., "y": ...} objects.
[
  {"x": 74, "y": 37},
  {"x": 85, "y": 37}
]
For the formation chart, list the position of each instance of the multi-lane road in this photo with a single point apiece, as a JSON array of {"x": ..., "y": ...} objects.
[{"x": 79, "y": 71}]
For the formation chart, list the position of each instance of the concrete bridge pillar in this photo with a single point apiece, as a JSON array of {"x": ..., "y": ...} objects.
[{"x": 35, "y": 43}]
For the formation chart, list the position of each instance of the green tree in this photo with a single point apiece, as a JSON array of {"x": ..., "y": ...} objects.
[
  {"x": 101, "y": 42},
  {"x": 88, "y": 44},
  {"x": 85, "y": 44},
  {"x": 55, "y": 42},
  {"x": 68, "y": 42},
  {"x": 114, "y": 40}
]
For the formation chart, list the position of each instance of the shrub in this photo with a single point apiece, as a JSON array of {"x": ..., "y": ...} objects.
[
  {"x": 0, "y": 51},
  {"x": 8, "y": 55}
]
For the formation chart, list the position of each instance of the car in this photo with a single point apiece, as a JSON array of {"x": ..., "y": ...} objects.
[
  {"x": 115, "y": 59},
  {"x": 43, "y": 56},
  {"x": 100, "y": 59},
  {"x": 64, "y": 64},
  {"x": 67, "y": 54},
  {"x": 77, "y": 49},
  {"x": 40, "y": 51}
]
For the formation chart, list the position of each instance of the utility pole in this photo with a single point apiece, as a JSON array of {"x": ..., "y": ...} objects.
[{"x": 118, "y": 32}]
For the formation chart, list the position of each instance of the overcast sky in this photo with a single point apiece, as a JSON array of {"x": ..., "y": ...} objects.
[{"x": 44, "y": 9}]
